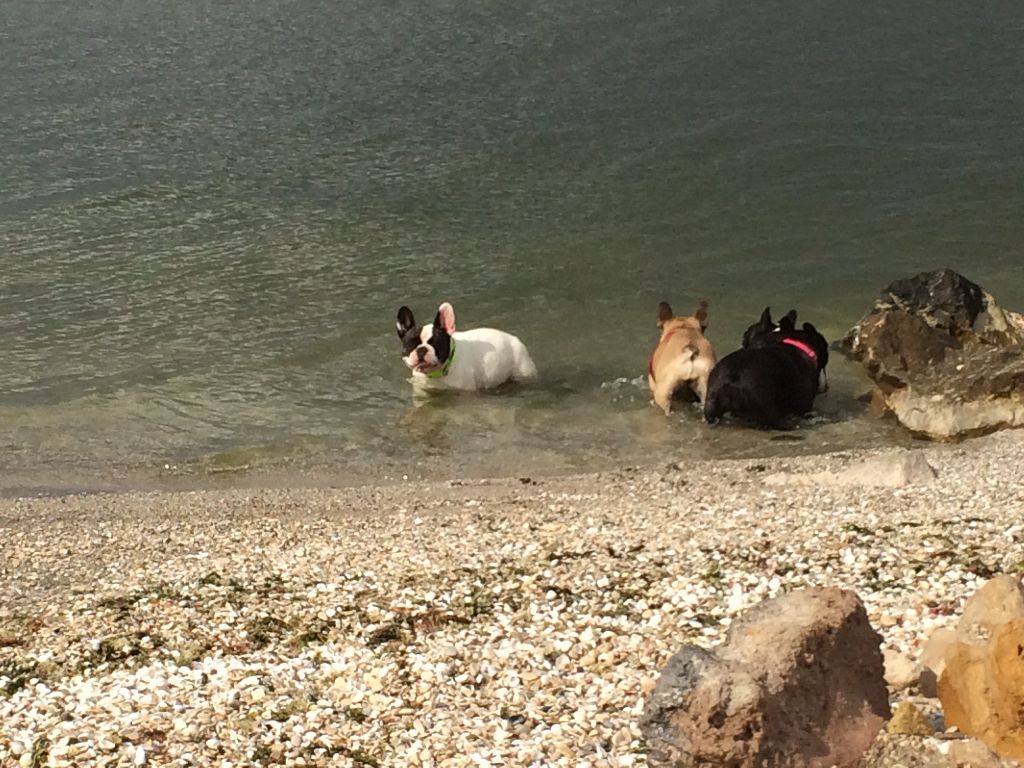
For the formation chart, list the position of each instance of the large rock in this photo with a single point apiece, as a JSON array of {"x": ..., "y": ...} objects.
[
  {"x": 982, "y": 689},
  {"x": 948, "y": 361},
  {"x": 997, "y": 601},
  {"x": 981, "y": 684},
  {"x": 798, "y": 683}
]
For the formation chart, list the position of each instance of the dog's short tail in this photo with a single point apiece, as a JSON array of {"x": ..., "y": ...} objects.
[{"x": 688, "y": 359}]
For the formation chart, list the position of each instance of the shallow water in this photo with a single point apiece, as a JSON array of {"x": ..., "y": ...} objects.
[{"x": 210, "y": 213}]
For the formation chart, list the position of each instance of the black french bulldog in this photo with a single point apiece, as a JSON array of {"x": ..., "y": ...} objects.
[{"x": 774, "y": 376}]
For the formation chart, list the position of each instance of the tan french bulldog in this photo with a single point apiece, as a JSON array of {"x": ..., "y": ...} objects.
[{"x": 683, "y": 359}]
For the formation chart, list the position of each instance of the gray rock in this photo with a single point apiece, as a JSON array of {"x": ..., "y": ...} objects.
[
  {"x": 798, "y": 683},
  {"x": 901, "y": 672},
  {"x": 890, "y": 470},
  {"x": 947, "y": 360}
]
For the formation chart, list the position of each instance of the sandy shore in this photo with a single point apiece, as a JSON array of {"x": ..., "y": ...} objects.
[{"x": 511, "y": 622}]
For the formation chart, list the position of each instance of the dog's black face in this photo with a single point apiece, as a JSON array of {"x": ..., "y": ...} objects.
[
  {"x": 812, "y": 338},
  {"x": 425, "y": 348},
  {"x": 764, "y": 330}
]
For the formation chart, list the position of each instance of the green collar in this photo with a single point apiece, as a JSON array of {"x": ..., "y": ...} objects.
[{"x": 443, "y": 370}]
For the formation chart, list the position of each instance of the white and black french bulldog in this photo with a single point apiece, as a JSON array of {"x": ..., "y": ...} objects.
[{"x": 442, "y": 358}]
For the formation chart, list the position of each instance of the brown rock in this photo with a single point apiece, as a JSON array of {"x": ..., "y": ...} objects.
[
  {"x": 933, "y": 659},
  {"x": 945, "y": 357},
  {"x": 798, "y": 683},
  {"x": 916, "y": 321},
  {"x": 896, "y": 342},
  {"x": 910, "y": 721},
  {"x": 999, "y": 600},
  {"x": 982, "y": 689}
]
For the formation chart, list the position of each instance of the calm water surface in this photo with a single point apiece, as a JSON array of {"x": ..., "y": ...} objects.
[{"x": 210, "y": 212}]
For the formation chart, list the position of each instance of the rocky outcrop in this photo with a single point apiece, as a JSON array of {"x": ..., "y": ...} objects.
[
  {"x": 798, "y": 683},
  {"x": 947, "y": 360},
  {"x": 982, "y": 685}
]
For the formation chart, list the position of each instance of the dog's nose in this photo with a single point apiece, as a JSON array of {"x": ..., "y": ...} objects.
[{"x": 421, "y": 353}]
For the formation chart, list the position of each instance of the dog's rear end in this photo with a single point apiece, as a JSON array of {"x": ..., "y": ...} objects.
[
  {"x": 683, "y": 359},
  {"x": 763, "y": 385}
]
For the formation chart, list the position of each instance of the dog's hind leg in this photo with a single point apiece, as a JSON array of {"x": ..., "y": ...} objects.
[
  {"x": 700, "y": 387},
  {"x": 663, "y": 391},
  {"x": 713, "y": 409}
]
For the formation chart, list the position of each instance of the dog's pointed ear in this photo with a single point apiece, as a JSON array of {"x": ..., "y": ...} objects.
[
  {"x": 405, "y": 321},
  {"x": 808, "y": 328},
  {"x": 664, "y": 313},
  {"x": 445, "y": 318},
  {"x": 788, "y": 323},
  {"x": 766, "y": 319},
  {"x": 701, "y": 313}
]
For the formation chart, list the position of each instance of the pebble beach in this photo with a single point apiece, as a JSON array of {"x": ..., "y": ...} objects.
[{"x": 510, "y": 622}]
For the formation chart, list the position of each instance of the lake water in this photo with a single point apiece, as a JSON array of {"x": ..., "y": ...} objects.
[{"x": 211, "y": 211}]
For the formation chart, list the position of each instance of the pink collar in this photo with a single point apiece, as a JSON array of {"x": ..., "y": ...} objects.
[{"x": 802, "y": 347}]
